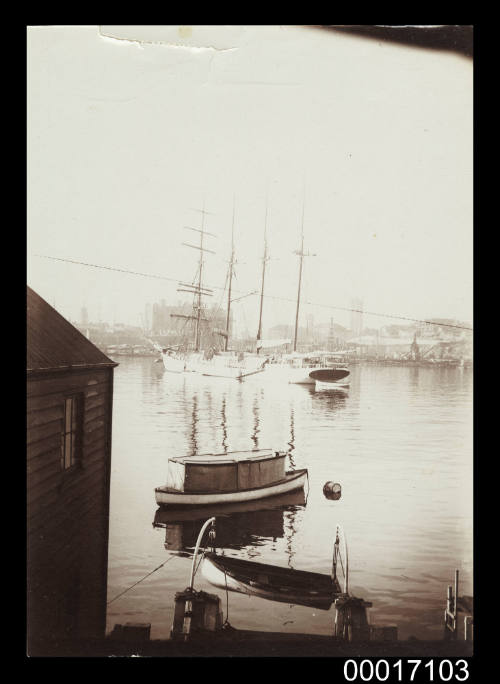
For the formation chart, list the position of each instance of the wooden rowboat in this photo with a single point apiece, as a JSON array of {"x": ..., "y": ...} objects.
[{"x": 271, "y": 582}]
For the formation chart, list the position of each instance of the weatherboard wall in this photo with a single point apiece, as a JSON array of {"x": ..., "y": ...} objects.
[{"x": 68, "y": 508}]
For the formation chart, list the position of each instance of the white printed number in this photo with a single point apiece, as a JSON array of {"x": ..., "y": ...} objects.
[{"x": 380, "y": 671}]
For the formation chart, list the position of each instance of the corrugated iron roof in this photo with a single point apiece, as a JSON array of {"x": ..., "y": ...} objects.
[{"x": 53, "y": 343}]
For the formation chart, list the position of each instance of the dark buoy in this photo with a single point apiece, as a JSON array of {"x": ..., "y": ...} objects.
[{"x": 332, "y": 490}]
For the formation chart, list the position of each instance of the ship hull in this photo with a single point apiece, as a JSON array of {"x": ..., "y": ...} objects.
[
  {"x": 217, "y": 366},
  {"x": 308, "y": 376},
  {"x": 294, "y": 480}
]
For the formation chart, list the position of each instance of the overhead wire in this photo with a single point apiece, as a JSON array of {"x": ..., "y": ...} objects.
[{"x": 268, "y": 296}]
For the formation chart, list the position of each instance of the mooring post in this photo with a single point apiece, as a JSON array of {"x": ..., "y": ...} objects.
[
  {"x": 468, "y": 627},
  {"x": 449, "y": 600},
  {"x": 449, "y": 625}
]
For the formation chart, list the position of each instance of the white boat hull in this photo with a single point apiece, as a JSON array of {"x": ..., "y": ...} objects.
[
  {"x": 340, "y": 385},
  {"x": 170, "y": 497},
  {"x": 222, "y": 580},
  {"x": 173, "y": 364},
  {"x": 217, "y": 366},
  {"x": 284, "y": 585}
]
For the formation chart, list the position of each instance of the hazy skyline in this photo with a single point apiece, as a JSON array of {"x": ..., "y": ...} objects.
[{"x": 125, "y": 139}]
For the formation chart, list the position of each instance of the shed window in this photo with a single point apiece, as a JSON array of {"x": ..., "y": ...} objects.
[{"x": 72, "y": 431}]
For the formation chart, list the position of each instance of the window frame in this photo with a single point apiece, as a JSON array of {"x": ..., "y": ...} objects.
[{"x": 72, "y": 431}]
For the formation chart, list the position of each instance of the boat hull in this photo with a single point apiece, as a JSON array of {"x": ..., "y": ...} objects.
[
  {"x": 217, "y": 366},
  {"x": 169, "y": 497},
  {"x": 173, "y": 364},
  {"x": 308, "y": 376},
  {"x": 273, "y": 583},
  {"x": 331, "y": 376},
  {"x": 165, "y": 516},
  {"x": 333, "y": 386}
]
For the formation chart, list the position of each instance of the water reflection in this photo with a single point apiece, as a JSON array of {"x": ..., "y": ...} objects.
[
  {"x": 194, "y": 423},
  {"x": 329, "y": 399},
  {"x": 238, "y": 526},
  {"x": 256, "y": 430},
  {"x": 224, "y": 424},
  {"x": 290, "y": 527},
  {"x": 291, "y": 531},
  {"x": 291, "y": 443},
  {"x": 414, "y": 373}
]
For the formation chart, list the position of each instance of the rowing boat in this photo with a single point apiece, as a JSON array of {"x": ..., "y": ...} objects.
[{"x": 271, "y": 582}]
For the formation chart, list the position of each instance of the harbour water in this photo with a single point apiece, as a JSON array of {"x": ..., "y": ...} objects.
[{"x": 399, "y": 442}]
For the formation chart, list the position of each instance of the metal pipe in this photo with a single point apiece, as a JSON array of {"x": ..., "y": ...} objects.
[{"x": 197, "y": 548}]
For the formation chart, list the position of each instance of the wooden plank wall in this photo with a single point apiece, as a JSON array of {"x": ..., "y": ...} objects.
[{"x": 68, "y": 510}]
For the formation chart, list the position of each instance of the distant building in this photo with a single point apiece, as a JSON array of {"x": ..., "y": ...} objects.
[
  {"x": 357, "y": 317},
  {"x": 332, "y": 340},
  {"x": 279, "y": 331},
  {"x": 69, "y": 409},
  {"x": 148, "y": 318},
  {"x": 84, "y": 316}
]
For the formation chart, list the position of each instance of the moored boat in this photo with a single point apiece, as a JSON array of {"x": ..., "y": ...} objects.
[
  {"x": 166, "y": 516},
  {"x": 232, "y": 477},
  {"x": 215, "y": 364},
  {"x": 309, "y": 369},
  {"x": 271, "y": 582},
  {"x": 212, "y": 361},
  {"x": 312, "y": 367}
]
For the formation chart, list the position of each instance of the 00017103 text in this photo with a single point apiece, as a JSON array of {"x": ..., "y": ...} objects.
[{"x": 380, "y": 670}]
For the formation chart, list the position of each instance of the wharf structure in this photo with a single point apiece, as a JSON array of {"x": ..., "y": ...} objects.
[{"x": 69, "y": 414}]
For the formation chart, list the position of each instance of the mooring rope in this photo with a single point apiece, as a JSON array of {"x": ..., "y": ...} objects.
[
  {"x": 199, "y": 562},
  {"x": 139, "y": 581}
]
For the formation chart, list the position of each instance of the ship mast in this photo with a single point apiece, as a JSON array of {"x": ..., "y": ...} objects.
[
  {"x": 197, "y": 290},
  {"x": 265, "y": 259},
  {"x": 231, "y": 263},
  {"x": 301, "y": 254}
]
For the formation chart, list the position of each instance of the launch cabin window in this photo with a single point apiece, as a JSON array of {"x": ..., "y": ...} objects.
[{"x": 72, "y": 431}]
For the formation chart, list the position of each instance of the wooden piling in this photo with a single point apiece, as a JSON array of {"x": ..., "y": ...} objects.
[
  {"x": 468, "y": 628},
  {"x": 456, "y": 604},
  {"x": 450, "y": 614}
]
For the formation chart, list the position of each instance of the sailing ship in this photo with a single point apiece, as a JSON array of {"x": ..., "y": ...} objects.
[
  {"x": 211, "y": 362},
  {"x": 312, "y": 368}
]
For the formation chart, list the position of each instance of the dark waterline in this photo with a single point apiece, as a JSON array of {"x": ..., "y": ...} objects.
[{"x": 399, "y": 442}]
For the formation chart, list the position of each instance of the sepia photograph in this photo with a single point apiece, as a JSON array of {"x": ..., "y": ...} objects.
[{"x": 250, "y": 343}]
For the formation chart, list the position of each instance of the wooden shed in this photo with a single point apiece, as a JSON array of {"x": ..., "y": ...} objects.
[{"x": 69, "y": 411}]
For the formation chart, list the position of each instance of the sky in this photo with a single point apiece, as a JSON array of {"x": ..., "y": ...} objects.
[{"x": 132, "y": 130}]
